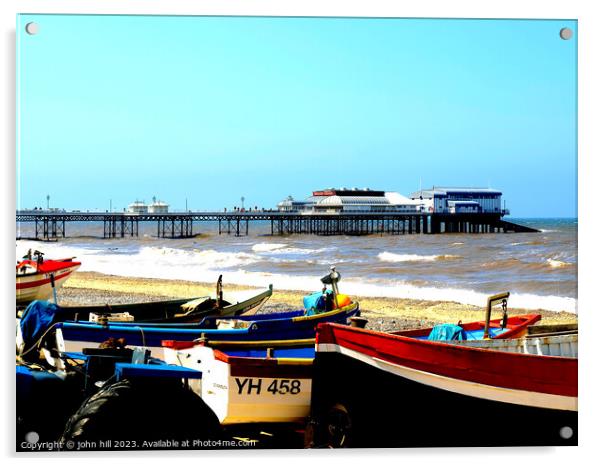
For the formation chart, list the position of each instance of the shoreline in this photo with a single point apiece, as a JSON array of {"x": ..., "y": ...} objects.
[{"x": 384, "y": 314}]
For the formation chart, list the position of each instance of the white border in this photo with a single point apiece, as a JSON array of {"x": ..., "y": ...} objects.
[{"x": 590, "y": 150}]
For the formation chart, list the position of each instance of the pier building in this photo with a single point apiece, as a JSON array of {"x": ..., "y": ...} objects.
[
  {"x": 137, "y": 207},
  {"x": 343, "y": 200},
  {"x": 158, "y": 207},
  {"x": 460, "y": 200}
]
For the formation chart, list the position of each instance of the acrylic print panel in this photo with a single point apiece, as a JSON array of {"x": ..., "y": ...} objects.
[{"x": 257, "y": 232}]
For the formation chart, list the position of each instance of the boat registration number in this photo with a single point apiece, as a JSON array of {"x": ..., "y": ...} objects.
[{"x": 250, "y": 386}]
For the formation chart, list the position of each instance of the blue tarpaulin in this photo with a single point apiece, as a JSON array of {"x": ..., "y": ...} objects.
[
  {"x": 37, "y": 318},
  {"x": 315, "y": 302},
  {"x": 443, "y": 332}
]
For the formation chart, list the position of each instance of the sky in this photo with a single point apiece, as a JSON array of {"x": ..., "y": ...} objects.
[{"x": 201, "y": 111}]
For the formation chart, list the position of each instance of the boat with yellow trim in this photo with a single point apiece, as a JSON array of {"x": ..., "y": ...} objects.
[{"x": 326, "y": 306}]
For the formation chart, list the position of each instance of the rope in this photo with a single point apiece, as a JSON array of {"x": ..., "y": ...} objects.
[
  {"x": 142, "y": 333},
  {"x": 39, "y": 341}
]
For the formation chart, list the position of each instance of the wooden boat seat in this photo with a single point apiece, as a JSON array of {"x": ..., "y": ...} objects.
[{"x": 232, "y": 323}]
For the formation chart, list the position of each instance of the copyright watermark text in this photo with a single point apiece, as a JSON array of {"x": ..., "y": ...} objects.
[{"x": 82, "y": 445}]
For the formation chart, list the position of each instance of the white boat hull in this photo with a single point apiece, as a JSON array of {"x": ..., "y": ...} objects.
[
  {"x": 251, "y": 396},
  {"x": 38, "y": 286}
]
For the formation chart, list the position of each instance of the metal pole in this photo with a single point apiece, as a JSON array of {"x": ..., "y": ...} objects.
[
  {"x": 494, "y": 300},
  {"x": 53, "y": 288}
]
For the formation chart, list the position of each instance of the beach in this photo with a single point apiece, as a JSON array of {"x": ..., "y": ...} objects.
[{"x": 385, "y": 314}]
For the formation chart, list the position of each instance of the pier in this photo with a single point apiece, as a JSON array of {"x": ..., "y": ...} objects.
[{"x": 50, "y": 226}]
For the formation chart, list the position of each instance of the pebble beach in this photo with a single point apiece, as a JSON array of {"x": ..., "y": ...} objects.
[{"x": 383, "y": 314}]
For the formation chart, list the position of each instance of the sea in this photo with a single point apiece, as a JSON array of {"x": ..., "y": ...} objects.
[{"x": 539, "y": 269}]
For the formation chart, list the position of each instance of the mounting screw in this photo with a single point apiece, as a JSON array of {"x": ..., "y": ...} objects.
[
  {"x": 32, "y": 437},
  {"x": 32, "y": 28},
  {"x": 566, "y": 33},
  {"x": 566, "y": 432}
]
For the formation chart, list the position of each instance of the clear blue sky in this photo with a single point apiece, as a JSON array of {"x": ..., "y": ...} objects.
[{"x": 210, "y": 109}]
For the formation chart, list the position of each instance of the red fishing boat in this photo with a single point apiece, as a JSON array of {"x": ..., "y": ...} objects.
[
  {"x": 513, "y": 327},
  {"x": 38, "y": 277},
  {"x": 504, "y": 328},
  {"x": 374, "y": 389}
]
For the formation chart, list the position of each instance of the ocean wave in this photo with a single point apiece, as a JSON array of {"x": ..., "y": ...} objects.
[
  {"x": 266, "y": 247},
  {"x": 205, "y": 265},
  {"x": 391, "y": 257},
  {"x": 204, "y": 257},
  {"x": 52, "y": 250},
  {"x": 530, "y": 243},
  {"x": 148, "y": 261},
  {"x": 555, "y": 263},
  {"x": 515, "y": 264},
  {"x": 506, "y": 264},
  {"x": 282, "y": 249},
  {"x": 302, "y": 251}
]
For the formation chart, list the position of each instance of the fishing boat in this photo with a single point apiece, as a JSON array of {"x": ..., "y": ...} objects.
[
  {"x": 74, "y": 337},
  {"x": 325, "y": 306},
  {"x": 231, "y": 388},
  {"x": 504, "y": 328},
  {"x": 374, "y": 389},
  {"x": 187, "y": 310},
  {"x": 39, "y": 316},
  {"x": 39, "y": 278},
  {"x": 250, "y": 382}
]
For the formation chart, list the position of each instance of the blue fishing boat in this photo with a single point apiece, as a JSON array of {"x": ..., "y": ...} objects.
[
  {"x": 230, "y": 387},
  {"x": 321, "y": 307},
  {"x": 74, "y": 337}
]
